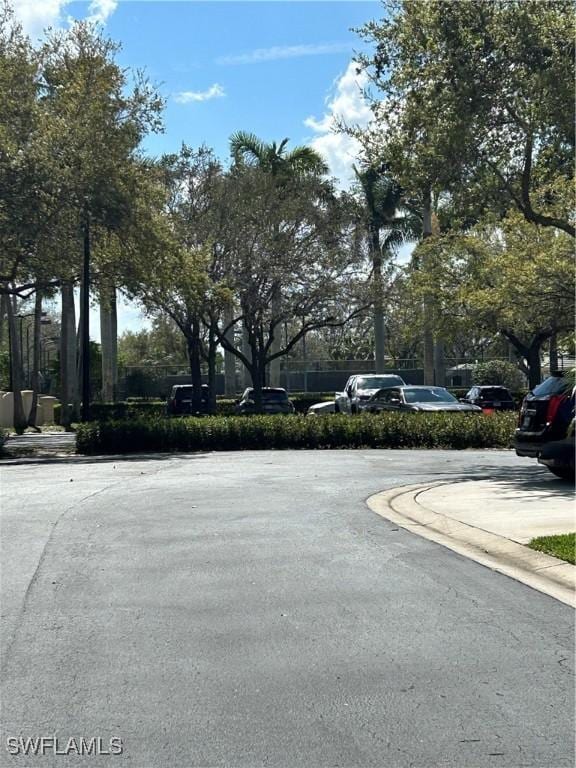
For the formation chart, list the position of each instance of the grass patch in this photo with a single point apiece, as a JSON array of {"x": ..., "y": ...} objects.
[
  {"x": 562, "y": 546},
  {"x": 236, "y": 433}
]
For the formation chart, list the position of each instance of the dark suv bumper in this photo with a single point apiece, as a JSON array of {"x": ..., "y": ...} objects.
[{"x": 529, "y": 444}]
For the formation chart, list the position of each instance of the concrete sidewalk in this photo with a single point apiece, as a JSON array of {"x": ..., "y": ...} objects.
[
  {"x": 490, "y": 521},
  {"x": 40, "y": 444}
]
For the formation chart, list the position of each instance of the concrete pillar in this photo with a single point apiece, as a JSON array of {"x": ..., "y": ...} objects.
[
  {"x": 46, "y": 405},
  {"x": 27, "y": 395}
]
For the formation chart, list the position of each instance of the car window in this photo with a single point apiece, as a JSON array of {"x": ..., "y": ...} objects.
[
  {"x": 432, "y": 395},
  {"x": 495, "y": 393},
  {"x": 276, "y": 396},
  {"x": 183, "y": 392},
  {"x": 378, "y": 382},
  {"x": 386, "y": 395}
]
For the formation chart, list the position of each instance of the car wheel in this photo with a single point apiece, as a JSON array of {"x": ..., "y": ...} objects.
[{"x": 564, "y": 473}]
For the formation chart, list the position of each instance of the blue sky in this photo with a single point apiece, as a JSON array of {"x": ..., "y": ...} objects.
[
  {"x": 276, "y": 69},
  {"x": 264, "y": 67}
]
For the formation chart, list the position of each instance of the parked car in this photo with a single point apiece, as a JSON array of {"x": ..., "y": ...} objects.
[
  {"x": 180, "y": 400},
  {"x": 558, "y": 456},
  {"x": 321, "y": 409},
  {"x": 417, "y": 398},
  {"x": 490, "y": 397},
  {"x": 546, "y": 418},
  {"x": 274, "y": 400},
  {"x": 360, "y": 388}
]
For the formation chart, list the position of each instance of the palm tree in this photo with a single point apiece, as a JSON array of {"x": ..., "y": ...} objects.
[
  {"x": 302, "y": 161},
  {"x": 248, "y": 149},
  {"x": 390, "y": 222}
]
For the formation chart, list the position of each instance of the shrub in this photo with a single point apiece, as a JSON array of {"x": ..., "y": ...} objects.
[
  {"x": 217, "y": 433},
  {"x": 498, "y": 372}
]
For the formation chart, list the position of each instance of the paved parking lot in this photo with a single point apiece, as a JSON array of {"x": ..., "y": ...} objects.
[{"x": 249, "y": 609}]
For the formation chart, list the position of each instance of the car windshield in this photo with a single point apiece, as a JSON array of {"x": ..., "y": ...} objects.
[
  {"x": 269, "y": 395},
  {"x": 553, "y": 385},
  {"x": 432, "y": 395},
  {"x": 183, "y": 392},
  {"x": 495, "y": 393},
  {"x": 378, "y": 382}
]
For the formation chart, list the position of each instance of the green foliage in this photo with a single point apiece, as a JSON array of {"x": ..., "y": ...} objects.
[
  {"x": 498, "y": 372},
  {"x": 477, "y": 103},
  {"x": 218, "y": 433},
  {"x": 562, "y": 546}
]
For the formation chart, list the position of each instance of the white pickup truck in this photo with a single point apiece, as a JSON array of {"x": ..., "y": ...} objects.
[{"x": 360, "y": 388}]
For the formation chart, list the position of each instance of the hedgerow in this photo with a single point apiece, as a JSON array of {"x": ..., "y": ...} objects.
[{"x": 230, "y": 433}]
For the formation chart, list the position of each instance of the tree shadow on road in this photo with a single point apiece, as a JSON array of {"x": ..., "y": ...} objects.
[{"x": 522, "y": 480}]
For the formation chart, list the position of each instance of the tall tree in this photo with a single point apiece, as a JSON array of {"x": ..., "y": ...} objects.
[
  {"x": 298, "y": 237},
  {"x": 513, "y": 278},
  {"x": 482, "y": 93},
  {"x": 283, "y": 166},
  {"x": 389, "y": 225}
]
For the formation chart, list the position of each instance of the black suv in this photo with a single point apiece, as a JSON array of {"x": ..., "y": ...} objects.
[
  {"x": 180, "y": 399},
  {"x": 490, "y": 397},
  {"x": 274, "y": 400},
  {"x": 546, "y": 425}
]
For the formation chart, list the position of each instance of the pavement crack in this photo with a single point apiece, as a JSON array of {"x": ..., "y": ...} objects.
[{"x": 7, "y": 651}]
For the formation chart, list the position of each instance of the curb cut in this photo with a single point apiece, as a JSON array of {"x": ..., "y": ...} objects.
[{"x": 542, "y": 572}]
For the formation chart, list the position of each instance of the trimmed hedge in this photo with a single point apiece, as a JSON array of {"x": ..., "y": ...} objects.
[
  {"x": 216, "y": 433},
  {"x": 132, "y": 408}
]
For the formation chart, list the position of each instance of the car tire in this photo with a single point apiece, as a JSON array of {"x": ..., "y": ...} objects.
[{"x": 564, "y": 473}]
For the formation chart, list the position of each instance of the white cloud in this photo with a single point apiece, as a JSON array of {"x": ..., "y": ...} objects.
[
  {"x": 348, "y": 105},
  {"x": 36, "y": 15},
  {"x": 100, "y": 10},
  {"x": 284, "y": 52},
  {"x": 215, "y": 91}
]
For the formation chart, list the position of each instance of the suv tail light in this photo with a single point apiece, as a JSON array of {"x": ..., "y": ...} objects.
[{"x": 553, "y": 405}]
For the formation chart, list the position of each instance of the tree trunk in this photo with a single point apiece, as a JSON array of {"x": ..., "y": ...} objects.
[
  {"x": 35, "y": 373},
  {"x": 530, "y": 353},
  {"x": 19, "y": 419},
  {"x": 212, "y": 345},
  {"x": 68, "y": 357},
  {"x": 274, "y": 365},
  {"x": 439, "y": 364},
  {"x": 247, "y": 352},
  {"x": 553, "y": 353},
  {"x": 428, "y": 340},
  {"x": 258, "y": 376},
  {"x": 107, "y": 344},
  {"x": 229, "y": 358},
  {"x": 194, "y": 358},
  {"x": 3, "y": 313},
  {"x": 378, "y": 291},
  {"x": 534, "y": 366}
]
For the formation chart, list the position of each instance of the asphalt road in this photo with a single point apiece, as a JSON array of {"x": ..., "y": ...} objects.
[{"x": 248, "y": 609}]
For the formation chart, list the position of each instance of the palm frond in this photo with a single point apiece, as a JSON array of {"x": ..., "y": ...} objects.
[{"x": 246, "y": 147}]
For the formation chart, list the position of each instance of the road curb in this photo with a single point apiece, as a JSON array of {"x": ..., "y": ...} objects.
[{"x": 537, "y": 570}]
